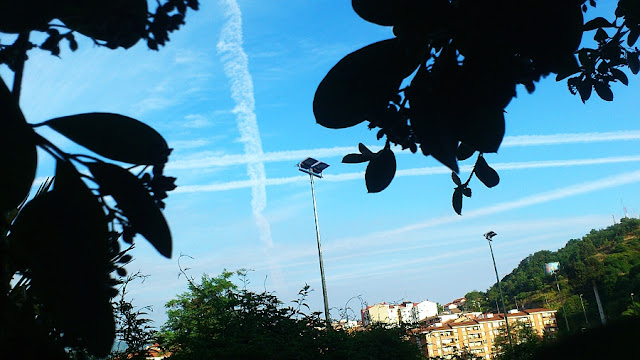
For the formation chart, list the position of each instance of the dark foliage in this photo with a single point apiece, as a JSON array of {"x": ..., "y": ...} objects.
[
  {"x": 443, "y": 82},
  {"x": 63, "y": 246}
]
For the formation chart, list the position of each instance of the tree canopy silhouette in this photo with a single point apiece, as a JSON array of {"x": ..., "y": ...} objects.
[
  {"x": 442, "y": 83},
  {"x": 61, "y": 247}
]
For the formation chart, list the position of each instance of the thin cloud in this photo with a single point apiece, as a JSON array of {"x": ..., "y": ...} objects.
[
  {"x": 338, "y": 151},
  {"x": 561, "y": 193},
  {"x": 570, "y": 138},
  {"x": 236, "y": 68},
  {"x": 276, "y": 156},
  {"x": 196, "y": 121},
  {"x": 232, "y": 185},
  {"x": 189, "y": 144}
]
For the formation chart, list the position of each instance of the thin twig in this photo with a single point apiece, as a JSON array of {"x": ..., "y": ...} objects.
[{"x": 22, "y": 43}]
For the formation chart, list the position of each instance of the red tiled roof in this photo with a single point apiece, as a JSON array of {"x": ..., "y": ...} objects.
[
  {"x": 464, "y": 323},
  {"x": 537, "y": 310},
  {"x": 496, "y": 317},
  {"x": 438, "y": 328},
  {"x": 519, "y": 313}
]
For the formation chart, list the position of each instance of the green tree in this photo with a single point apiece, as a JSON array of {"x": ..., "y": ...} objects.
[
  {"x": 526, "y": 342},
  {"x": 133, "y": 327},
  {"x": 633, "y": 310},
  {"x": 476, "y": 301},
  {"x": 442, "y": 83},
  {"x": 64, "y": 245},
  {"x": 214, "y": 319}
]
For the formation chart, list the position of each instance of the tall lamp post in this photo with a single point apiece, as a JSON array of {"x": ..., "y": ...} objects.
[
  {"x": 314, "y": 168},
  {"x": 586, "y": 320},
  {"x": 489, "y": 236}
]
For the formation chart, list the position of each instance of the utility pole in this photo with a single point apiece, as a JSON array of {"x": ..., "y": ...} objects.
[
  {"x": 564, "y": 312},
  {"x": 584, "y": 311},
  {"x": 603, "y": 319}
]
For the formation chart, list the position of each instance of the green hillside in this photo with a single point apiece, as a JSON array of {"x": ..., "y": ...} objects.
[{"x": 608, "y": 258}]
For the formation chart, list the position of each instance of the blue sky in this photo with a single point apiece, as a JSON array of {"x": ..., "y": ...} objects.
[{"x": 232, "y": 94}]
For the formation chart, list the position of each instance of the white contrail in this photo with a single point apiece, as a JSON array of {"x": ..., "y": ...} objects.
[
  {"x": 236, "y": 68},
  {"x": 276, "y": 156},
  {"x": 560, "y": 193},
  {"x": 405, "y": 172},
  {"x": 570, "y": 138},
  {"x": 339, "y": 151}
]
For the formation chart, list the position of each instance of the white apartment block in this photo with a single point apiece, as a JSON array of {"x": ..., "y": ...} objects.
[{"x": 395, "y": 314}]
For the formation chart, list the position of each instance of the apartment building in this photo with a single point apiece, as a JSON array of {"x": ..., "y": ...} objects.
[
  {"x": 478, "y": 336},
  {"x": 395, "y": 314}
]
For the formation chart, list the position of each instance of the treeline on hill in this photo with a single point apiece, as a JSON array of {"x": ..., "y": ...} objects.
[
  {"x": 216, "y": 319},
  {"x": 607, "y": 260}
]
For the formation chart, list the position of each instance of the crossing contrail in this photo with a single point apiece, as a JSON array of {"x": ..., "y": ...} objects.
[
  {"x": 251, "y": 183},
  {"x": 339, "y": 151}
]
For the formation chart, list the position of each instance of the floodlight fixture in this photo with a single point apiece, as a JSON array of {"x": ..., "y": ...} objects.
[
  {"x": 489, "y": 236},
  {"x": 312, "y": 167}
]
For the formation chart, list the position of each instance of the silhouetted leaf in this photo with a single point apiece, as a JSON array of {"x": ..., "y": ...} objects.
[
  {"x": 456, "y": 179},
  {"x": 485, "y": 173},
  {"x": 361, "y": 85},
  {"x": 619, "y": 75},
  {"x": 603, "y": 90},
  {"x": 598, "y": 22},
  {"x": 603, "y": 67},
  {"x": 118, "y": 22},
  {"x": 633, "y": 36},
  {"x": 434, "y": 130},
  {"x": 442, "y": 148},
  {"x": 379, "y": 12},
  {"x": 380, "y": 171},
  {"x": 135, "y": 202},
  {"x": 584, "y": 56},
  {"x": 365, "y": 150},
  {"x": 355, "y": 158},
  {"x": 484, "y": 129},
  {"x": 18, "y": 155},
  {"x": 634, "y": 62},
  {"x": 584, "y": 89},
  {"x": 464, "y": 152},
  {"x": 73, "y": 44},
  {"x": 600, "y": 35},
  {"x": 456, "y": 200},
  {"x": 114, "y": 136},
  {"x": 571, "y": 67},
  {"x": 466, "y": 192},
  {"x": 20, "y": 16}
]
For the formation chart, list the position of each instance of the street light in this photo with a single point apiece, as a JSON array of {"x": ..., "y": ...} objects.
[
  {"x": 489, "y": 236},
  {"x": 314, "y": 167},
  {"x": 584, "y": 311}
]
